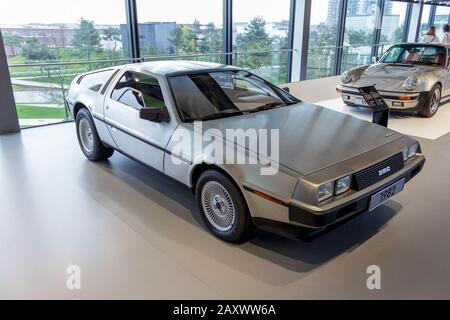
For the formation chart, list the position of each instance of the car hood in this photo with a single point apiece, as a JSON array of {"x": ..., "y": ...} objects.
[
  {"x": 389, "y": 77},
  {"x": 311, "y": 137}
]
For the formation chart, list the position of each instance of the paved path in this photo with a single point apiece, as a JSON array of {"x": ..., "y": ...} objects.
[
  {"x": 37, "y": 122},
  {"x": 35, "y": 84}
]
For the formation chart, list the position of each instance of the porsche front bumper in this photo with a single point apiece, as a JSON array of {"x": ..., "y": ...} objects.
[{"x": 398, "y": 101}]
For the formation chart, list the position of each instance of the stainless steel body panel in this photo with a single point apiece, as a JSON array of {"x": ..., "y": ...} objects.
[{"x": 316, "y": 145}]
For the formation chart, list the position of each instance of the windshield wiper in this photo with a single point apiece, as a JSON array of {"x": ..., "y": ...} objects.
[
  {"x": 426, "y": 63},
  {"x": 267, "y": 106},
  {"x": 222, "y": 114},
  {"x": 395, "y": 64}
]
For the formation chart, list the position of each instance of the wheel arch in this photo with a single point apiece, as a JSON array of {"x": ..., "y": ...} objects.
[
  {"x": 78, "y": 106},
  {"x": 197, "y": 171}
]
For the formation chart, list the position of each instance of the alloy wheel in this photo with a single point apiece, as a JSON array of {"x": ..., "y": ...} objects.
[{"x": 218, "y": 206}]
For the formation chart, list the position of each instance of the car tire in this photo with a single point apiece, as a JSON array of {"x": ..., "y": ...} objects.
[
  {"x": 88, "y": 138},
  {"x": 222, "y": 207},
  {"x": 432, "y": 103}
]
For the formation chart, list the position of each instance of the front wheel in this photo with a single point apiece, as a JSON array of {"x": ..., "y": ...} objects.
[
  {"x": 222, "y": 207},
  {"x": 88, "y": 138},
  {"x": 431, "y": 106}
]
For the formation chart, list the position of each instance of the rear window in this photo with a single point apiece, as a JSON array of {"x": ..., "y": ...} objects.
[{"x": 94, "y": 81}]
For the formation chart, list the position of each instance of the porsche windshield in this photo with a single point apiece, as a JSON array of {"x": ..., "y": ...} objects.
[
  {"x": 213, "y": 95},
  {"x": 415, "y": 54}
]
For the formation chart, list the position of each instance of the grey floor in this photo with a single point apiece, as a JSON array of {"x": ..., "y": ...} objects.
[{"x": 135, "y": 234}]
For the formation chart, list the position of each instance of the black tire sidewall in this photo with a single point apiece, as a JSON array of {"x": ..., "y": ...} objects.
[
  {"x": 242, "y": 221},
  {"x": 426, "y": 110},
  {"x": 97, "y": 150}
]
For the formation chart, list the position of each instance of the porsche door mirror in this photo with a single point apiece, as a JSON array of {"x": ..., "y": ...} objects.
[
  {"x": 286, "y": 89},
  {"x": 375, "y": 59},
  {"x": 154, "y": 114}
]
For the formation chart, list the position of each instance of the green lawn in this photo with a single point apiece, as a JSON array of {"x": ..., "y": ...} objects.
[{"x": 39, "y": 112}]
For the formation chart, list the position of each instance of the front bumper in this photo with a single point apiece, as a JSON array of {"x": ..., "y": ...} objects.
[
  {"x": 358, "y": 203},
  {"x": 398, "y": 101}
]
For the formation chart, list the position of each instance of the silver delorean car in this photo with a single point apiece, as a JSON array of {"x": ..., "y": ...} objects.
[
  {"x": 411, "y": 77},
  {"x": 331, "y": 166}
]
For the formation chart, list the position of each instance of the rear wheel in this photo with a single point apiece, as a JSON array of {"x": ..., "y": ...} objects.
[
  {"x": 88, "y": 138},
  {"x": 431, "y": 106},
  {"x": 222, "y": 207}
]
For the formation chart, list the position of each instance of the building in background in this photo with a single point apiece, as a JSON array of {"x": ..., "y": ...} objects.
[
  {"x": 355, "y": 8},
  {"x": 153, "y": 36},
  {"x": 52, "y": 35}
]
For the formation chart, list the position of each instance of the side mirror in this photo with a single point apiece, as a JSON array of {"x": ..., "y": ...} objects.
[
  {"x": 375, "y": 59},
  {"x": 154, "y": 114},
  {"x": 286, "y": 89}
]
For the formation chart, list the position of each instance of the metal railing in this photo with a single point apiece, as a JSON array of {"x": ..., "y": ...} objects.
[
  {"x": 40, "y": 87},
  {"x": 321, "y": 59}
]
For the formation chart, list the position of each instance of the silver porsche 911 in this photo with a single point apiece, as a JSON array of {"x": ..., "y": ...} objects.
[
  {"x": 166, "y": 115},
  {"x": 410, "y": 77}
]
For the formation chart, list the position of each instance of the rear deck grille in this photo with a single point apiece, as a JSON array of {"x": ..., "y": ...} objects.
[{"x": 370, "y": 176}]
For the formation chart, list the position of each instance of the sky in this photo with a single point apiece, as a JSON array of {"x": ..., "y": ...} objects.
[
  {"x": 181, "y": 11},
  {"x": 113, "y": 11}
]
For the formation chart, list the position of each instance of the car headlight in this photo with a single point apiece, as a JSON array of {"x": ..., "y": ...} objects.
[
  {"x": 346, "y": 77},
  {"x": 342, "y": 185},
  {"x": 410, "y": 151},
  {"x": 411, "y": 83},
  {"x": 325, "y": 191}
]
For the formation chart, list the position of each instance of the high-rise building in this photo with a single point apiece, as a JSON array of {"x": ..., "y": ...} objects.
[
  {"x": 333, "y": 12},
  {"x": 356, "y": 8}
]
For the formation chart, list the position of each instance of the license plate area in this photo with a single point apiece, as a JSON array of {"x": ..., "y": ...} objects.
[
  {"x": 362, "y": 102},
  {"x": 387, "y": 193}
]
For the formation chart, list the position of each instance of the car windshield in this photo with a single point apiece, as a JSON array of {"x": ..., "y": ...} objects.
[
  {"x": 415, "y": 54},
  {"x": 213, "y": 95}
]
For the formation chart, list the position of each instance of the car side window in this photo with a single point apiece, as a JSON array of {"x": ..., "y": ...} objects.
[
  {"x": 146, "y": 85},
  {"x": 132, "y": 98}
]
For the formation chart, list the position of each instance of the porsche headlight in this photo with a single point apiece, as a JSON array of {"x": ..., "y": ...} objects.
[
  {"x": 410, "y": 151},
  {"x": 346, "y": 77},
  {"x": 411, "y": 83},
  {"x": 325, "y": 191},
  {"x": 342, "y": 185}
]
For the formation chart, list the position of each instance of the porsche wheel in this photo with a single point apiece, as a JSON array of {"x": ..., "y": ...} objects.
[{"x": 433, "y": 102}]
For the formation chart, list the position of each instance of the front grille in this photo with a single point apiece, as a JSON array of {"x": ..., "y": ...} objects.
[{"x": 370, "y": 176}]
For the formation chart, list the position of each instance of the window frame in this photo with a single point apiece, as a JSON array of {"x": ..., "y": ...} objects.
[
  {"x": 128, "y": 88},
  {"x": 282, "y": 93}
]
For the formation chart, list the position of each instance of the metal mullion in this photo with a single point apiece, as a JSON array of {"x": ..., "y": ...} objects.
[
  {"x": 293, "y": 5},
  {"x": 407, "y": 22},
  {"x": 133, "y": 29},
  {"x": 377, "y": 31},
  {"x": 431, "y": 16},
  {"x": 340, "y": 37},
  {"x": 228, "y": 31}
]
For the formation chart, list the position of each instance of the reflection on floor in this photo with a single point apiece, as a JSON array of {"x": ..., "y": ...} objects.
[
  {"x": 136, "y": 234},
  {"x": 428, "y": 128}
]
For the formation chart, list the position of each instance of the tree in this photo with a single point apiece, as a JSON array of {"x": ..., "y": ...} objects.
[
  {"x": 211, "y": 39},
  {"x": 176, "y": 38},
  {"x": 87, "y": 38},
  {"x": 111, "y": 35},
  {"x": 255, "y": 38},
  {"x": 34, "y": 49},
  {"x": 359, "y": 38},
  {"x": 14, "y": 41},
  {"x": 322, "y": 43},
  {"x": 150, "y": 50}
]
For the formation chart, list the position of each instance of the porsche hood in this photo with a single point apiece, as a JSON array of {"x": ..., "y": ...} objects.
[
  {"x": 389, "y": 77},
  {"x": 311, "y": 137}
]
